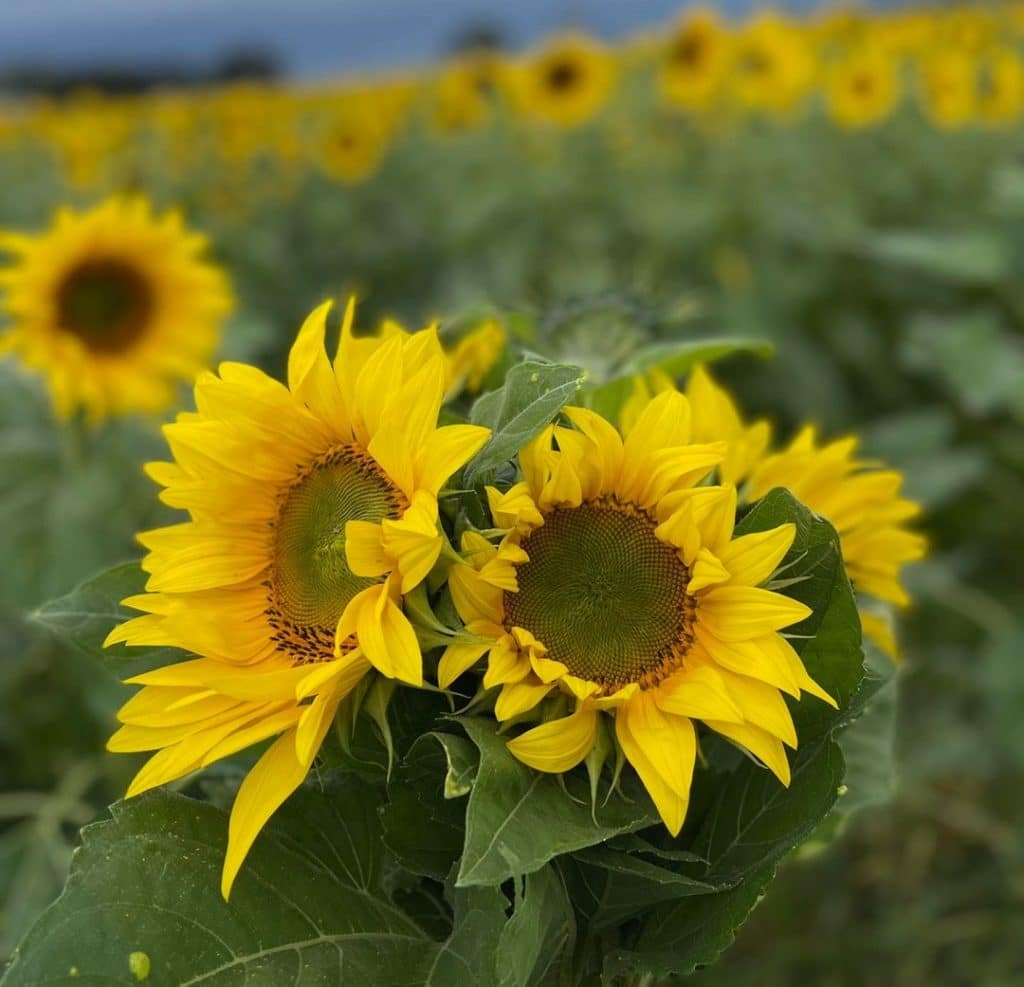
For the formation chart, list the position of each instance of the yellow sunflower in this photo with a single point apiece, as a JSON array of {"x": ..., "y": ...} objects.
[
  {"x": 695, "y": 62},
  {"x": 113, "y": 306},
  {"x": 860, "y": 499},
  {"x": 1000, "y": 82},
  {"x": 464, "y": 93},
  {"x": 353, "y": 139},
  {"x": 947, "y": 79},
  {"x": 566, "y": 83},
  {"x": 620, "y": 585},
  {"x": 862, "y": 89},
  {"x": 772, "y": 66},
  {"x": 313, "y": 511}
]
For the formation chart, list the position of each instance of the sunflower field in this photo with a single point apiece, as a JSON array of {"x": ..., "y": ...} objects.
[{"x": 547, "y": 518}]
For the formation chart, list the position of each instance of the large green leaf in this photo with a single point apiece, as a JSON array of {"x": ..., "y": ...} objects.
[
  {"x": 309, "y": 907},
  {"x": 519, "y": 819},
  {"x": 424, "y": 820},
  {"x": 610, "y": 886},
  {"x": 532, "y": 395},
  {"x": 536, "y": 944},
  {"x": 84, "y": 617},
  {"x": 689, "y": 935}
]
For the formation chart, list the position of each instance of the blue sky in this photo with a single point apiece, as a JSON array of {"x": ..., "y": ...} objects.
[{"x": 313, "y": 37}]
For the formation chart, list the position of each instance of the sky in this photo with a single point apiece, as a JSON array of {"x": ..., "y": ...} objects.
[{"x": 311, "y": 37}]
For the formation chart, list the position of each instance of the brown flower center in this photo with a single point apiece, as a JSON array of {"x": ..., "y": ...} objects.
[{"x": 106, "y": 303}]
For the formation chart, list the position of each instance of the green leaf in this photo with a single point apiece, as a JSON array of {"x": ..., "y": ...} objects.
[
  {"x": 962, "y": 256},
  {"x": 468, "y": 955},
  {"x": 532, "y": 395},
  {"x": 756, "y": 820},
  {"x": 518, "y": 819},
  {"x": 84, "y": 617},
  {"x": 829, "y": 641},
  {"x": 309, "y": 907},
  {"x": 537, "y": 941},
  {"x": 675, "y": 359},
  {"x": 609, "y": 887},
  {"x": 424, "y": 820},
  {"x": 867, "y": 746},
  {"x": 679, "y": 358},
  {"x": 691, "y": 934}
]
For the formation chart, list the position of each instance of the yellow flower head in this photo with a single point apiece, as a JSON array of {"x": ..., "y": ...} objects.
[
  {"x": 772, "y": 66},
  {"x": 566, "y": 83},
  {"x": 695, "y": 62},
  {"x": 947, "y": 79},
  {"x": 312, "y": 511},
  {"x": 465, "y": 91},
  {"x": 1000, "y": 86},
  {"x": 862, "y": 89},
  {"x": 353, "y": 139},
  {"x": 862, "y": 501},
  {"x": 620, "y": 585},
  {"x": 113, "y": 306}
]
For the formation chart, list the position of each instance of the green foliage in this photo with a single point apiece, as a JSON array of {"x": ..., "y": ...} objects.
[{"x": 531, "y": 397}]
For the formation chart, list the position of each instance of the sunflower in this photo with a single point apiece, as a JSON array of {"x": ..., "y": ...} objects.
[
  {"x": 313, "y": 511},
  {"x": 621, "y": 587},
  {"x": 1000, "y": 95},
  {"x": 465, "y": 91},
  {"x": 566, "y": 83},
  {"x": 862, "y": 501},
  {"x": 947, "y": 79},
  {"x": 695, "y": 62},
  {"x": 353, "y": 139},
  {"x": 862, "y": 89},
  {"x": 772, "y": 66},
  {"x": 113, "y": 306}
]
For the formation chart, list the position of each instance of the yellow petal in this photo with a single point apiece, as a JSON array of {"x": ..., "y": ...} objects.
[
  {"x": 458, "y": 658},
  {"x": 738, "y": 613},
  {"x": 766, "y": 748},
  {"x": 558, "y": 745},
  {"x": 518, "y": 697},
  {"x": 272, "y": 779},
  {"x": 310, "y": 375},
  {"x": 447, "y": 450},
  {"x": 706, "y": 571},
  {"x": 386, "y": 636},
  {"x": 751, "y": 559},
  {"x": 697, "y": 693},
  {"x": 662, "y": 749},
  {"x": 364, "y": 549}
]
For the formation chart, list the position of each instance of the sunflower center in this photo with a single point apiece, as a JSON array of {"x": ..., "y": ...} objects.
[
  {"x": 311, "y": 582},
  {"x": 604, "y": 594},
  {"x": 105, "y": 303},
  {"x": 563, "y": 75}
]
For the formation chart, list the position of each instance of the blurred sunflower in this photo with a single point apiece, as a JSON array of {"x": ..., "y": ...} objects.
[
  {"x": 352, "y": 139},
  {"x": 695, "y": 62},
  {"x": 620, "y": 585},
  {"x": 1000, "y": 86},
  {"x": 313, "y": 510},
  {"x": 113, "y": 306},
  {"x": 772, "y": 66},
  {"x": 566, "y": 83},
  {"x": 465, "y": 91},
  {"x": 862, "y": 501},
  {"x": 947, "y": 80},
  {"x": 862, "y": 88}
]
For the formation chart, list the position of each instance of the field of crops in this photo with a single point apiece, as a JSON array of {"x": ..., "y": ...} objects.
[{"x": 828, "y": 213}]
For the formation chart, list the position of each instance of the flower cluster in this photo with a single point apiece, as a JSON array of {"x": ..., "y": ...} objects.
[
  {"x": 604, "y": 610},
  {"x": 957, "y": 66}
]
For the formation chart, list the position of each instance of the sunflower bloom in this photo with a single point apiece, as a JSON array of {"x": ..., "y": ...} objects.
[
  {"x": 620, "y": 585},
  {"x": 313, "y": 510},
  {"x": 862, "y": 501},
  {"x": 114, "y": 306},
  {"x": 566, "y": 83}
]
